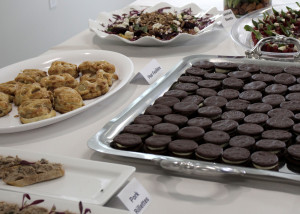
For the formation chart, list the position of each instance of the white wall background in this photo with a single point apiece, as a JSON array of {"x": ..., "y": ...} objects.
[{"x": 30, "y": 27}]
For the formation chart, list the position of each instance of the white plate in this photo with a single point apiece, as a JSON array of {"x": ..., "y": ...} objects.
[
  {"x": 124, "y": 69},
  {"x": 84, "y": 180},
  {"x": 243, "y": 37},
  {"x": 60, "y": 204},
  {"x": 99, "y": 25}
]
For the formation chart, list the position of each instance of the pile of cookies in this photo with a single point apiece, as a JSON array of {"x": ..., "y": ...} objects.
[
  {"x": 39, "y": 94},
  {"x": 223, "y": 112}
]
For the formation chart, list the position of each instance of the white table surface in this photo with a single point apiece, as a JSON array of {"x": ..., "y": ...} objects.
[{"x": 170, "y": 193}]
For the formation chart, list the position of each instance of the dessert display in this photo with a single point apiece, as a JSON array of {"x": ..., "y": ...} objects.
[
  {"x": 39, "y": 95},
  {"x": 236, "y": 114},
  {"x": 17, "y": 172},
  {"x": 278, "y": 23}
]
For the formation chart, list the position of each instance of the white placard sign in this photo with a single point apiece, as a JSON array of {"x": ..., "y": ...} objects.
[
  {"x": 151, "y": 72},
  {"x": 228, "y": 19},
  {"x": 135, "y": 197}
]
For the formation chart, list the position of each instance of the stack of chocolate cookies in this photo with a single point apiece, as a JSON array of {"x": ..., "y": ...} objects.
[{"x": 247, "y": 115}]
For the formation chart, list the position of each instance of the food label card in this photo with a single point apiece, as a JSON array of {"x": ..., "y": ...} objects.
[
  {"x": 151, "y": 72},
  {"x": 228, "y": 19},
  {"x": 135, "y": 197}
]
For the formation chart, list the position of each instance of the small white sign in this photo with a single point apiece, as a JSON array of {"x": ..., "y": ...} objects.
[
  {"x": 228, "y": 19},
  {"x": 151, "y": 72},
  {"x": 135, "y": 197}
]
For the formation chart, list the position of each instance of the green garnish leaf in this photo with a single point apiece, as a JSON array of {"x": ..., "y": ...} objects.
[
  {"x": 257, "y": 34},
  {"x": 275, "y": 11},
  {"x": 255, "y": 23},
  {"x": 284, "y": 30}
]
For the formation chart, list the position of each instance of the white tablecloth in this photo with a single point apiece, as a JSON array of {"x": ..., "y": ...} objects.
[{"x": 170, "y": 194}]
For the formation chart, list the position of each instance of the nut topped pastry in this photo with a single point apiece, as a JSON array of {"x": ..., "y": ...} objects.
[
  {"x": 29, "y": 76},
  {"x": 61, "y": 67},
  {"x": 93, "y": 67},
  {"x": 35, "y": 110},
  {"x": 100, "y": 74},
  {"x": 5, "y": 106},
  {"x": 89, "y": 90},
  {"x": 55, "y": 81},
  {"x": 67, "y": 99},
  {"x": 9, "y": 87},
  {"x": 31, "y": 91}
]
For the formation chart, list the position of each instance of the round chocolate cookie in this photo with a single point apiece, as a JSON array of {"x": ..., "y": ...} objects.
[
  {"x": 233, "y": 115},
  {"x": 193, "y": 99},
  {"x": 259, "y": 108},
  {"x": 158, "y": 110},
  {"x": 147, "y": 119},
  {"x": 213, "y": 84},
  {"x": 294, "y": 88},
  {"x": 273, "y": 99},
  {"x": 280, "y": 112},
  {"x": 228, "y": 126},
  {"x": 143, "y": 130},
  {"x": 297, "y": 117},
  {"x": 273, "y": 70},
  {"x": 215, "y": 101},
  {"x": 188, "y": 87},
  {"x": 191, "y": 132},
  {"x": 267, "y": 78},
  {"x": 195, "y": 71},
  {"x": 251, "y": 96},
  {"x": 270, "y": 145},
  {"x": 235, "y": 155},
  {"x": 224, "y": 67},
  {"x": 208, "y": 152},
  {"x": 202, "y": 122},
  {"x": 249, "y": 68},
  {"x": 229, "y": 94},
  {"x": 280, "y": 123},
  {"x": 292, "y": 70},
  {"x": 293, "y": 154},
  {"x": 185, "y": 108},
  {"x": 180, "y": 94},
  {"x": 296, "y": 129},
  {"x": 257, "y": 118},
  {"x": 285, "y": 79},
  {"x": 212, "y": 112},
  {"x": 189, "y": 79},
  {"x": 165, "y": 129},
  {"x": 168, "y": 101},
  {"x": 215, "y": 76},
  {"x": 206, "y": 92},
  {"x": 127, "y": 141},
  {"x": 243, "y": 75},
  {"x": 204, "y": 64},
  {"x": 276, "y": 89},
  {"x": 255, "y": 85},
  {"x": 182, "y": 148},
  {"x": 264, "y": 160},
  {"x": 293, "y": 96},
  {"x": 233, "y": 83},
  {"x": 250, "y": 129},
  {"x": 237, "y": 105},
  {"x": 297, "y": 140},
  {"x": 220, "y": 138},
  {"x": 176, "y": 119},
  {"x": 293, "y": 105},
  {"x": 243, "y": 141},
  {"x": 157, "y": 144},
  {"x": 277, "y": 134}
]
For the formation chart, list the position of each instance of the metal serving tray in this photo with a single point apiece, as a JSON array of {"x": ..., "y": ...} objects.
[{"x": 101, "y": 141}]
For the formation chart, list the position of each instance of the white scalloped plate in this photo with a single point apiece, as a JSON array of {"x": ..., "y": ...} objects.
[
  {"x": 124, "y": 70},
  {"x": 99, "y": 25}
]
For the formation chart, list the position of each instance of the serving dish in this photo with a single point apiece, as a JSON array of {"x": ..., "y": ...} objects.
[
  {"x": 101, "y": 142},
  {"x": 60, "y": 204},
  {"x": 243, "y": 37},
  {"x": 100, "y": 24},
  {"x": 84, "y": 180},
  {"x": 124, "y": 69}
]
